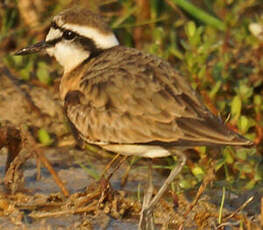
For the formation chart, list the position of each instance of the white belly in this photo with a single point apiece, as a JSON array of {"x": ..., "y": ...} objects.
[{"x": 150, "y": 151}]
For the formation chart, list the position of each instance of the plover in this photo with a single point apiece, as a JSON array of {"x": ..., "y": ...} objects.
[{"x": 125, "y": 100}]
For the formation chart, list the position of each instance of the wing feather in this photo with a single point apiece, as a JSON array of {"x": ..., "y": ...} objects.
[{"x": 131, "y": 97}]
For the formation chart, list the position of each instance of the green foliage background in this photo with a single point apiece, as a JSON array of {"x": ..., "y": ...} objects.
[{"x": 209, "y": 42}]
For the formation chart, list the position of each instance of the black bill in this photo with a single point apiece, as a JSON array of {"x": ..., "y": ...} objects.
[{"x": 34, "y": 48}]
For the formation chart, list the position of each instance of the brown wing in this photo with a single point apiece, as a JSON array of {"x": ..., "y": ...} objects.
[{"x": 126, "y": 96}]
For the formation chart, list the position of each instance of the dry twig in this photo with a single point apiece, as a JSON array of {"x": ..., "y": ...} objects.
[{"x": 39, "y": 152}]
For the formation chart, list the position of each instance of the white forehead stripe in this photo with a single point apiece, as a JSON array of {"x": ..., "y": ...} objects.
[
  {"x": 53, "y": 34},
  {"x": 101, "y": 40}
]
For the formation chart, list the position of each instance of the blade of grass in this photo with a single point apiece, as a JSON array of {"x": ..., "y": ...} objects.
[
  {"x": 120, "y": 20},
  {"x": 200, "y": 14},
  {"x": 222, "y": 205},
  {"x": 91, "y": 171}
]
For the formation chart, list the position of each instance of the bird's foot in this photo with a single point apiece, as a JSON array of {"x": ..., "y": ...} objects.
[{"x": 106, "y": 191}]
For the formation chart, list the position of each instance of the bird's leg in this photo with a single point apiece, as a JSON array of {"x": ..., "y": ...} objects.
[
  {"x": 169, "y": 179},
  {"x": 148, "y": 209},
  {"x": 121, "y": 161},
  {"x": 105, "y": 180},
  {"x": 109, "y": 165},
  {"x": 146, "y": 217}
]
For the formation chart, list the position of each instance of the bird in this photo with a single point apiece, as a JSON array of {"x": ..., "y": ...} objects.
[{"x": 128, "y": 101}]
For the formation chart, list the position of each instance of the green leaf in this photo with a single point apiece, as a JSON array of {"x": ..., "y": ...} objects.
[
  {"x": 250, "y": 185},
  {"x": 198, "y": 172},
  {"x": 217, "y": 71},
  {"x": 236, "y": 106},
  {"x": 228, "y": 156},
  {"x": 215, "y": 89},
  {"x": 43, "y": 73},
  {"x": 18, "y": 60},
  {"x": 158, "y": 35},
  {"x": 241, "y": 154},
  {"x": 246, "y": 91},
  {"x": 257, "y": 102},
  {"x": 243, "y": 124},
  {"x": 190, "y": 29},
  {"x": 202, "y": 72},
  {"x": 219, "y": 164},
  {"x": 188, "y": 182},
  {"x": 202, "y": 151},
  {"x": 44, "y": 137},
  {"x": 25, "y": 72},
  {"x": 243, "y": 167},
  {"x": 259, "y": 173}
]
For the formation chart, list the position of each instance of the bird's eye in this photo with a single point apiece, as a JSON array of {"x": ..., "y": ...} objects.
[{"x": 68, "y": 35}]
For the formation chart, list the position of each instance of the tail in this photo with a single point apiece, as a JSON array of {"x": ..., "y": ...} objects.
[{"x": 210, "y": 130}]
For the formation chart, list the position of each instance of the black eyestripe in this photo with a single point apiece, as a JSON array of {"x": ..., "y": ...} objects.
[{"x": 85, "y": 42}]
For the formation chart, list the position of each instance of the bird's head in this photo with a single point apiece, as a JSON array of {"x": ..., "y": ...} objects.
[{"x": 74, "y": 35}]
